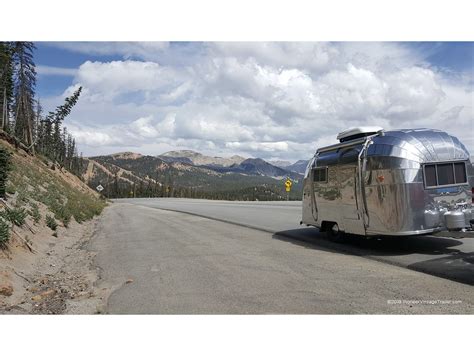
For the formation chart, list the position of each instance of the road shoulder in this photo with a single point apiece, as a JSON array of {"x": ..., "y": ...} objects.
[{"x": 56, "y": 277}]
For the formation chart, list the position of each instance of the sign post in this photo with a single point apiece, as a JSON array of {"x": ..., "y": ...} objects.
[{"x": 288, "y": 184}]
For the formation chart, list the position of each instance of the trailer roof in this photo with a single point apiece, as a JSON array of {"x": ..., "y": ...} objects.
[
  {"x": 356, "y": 132},
  {"x": 420, "y": 145},
  {"x": 427, "y": 145}
]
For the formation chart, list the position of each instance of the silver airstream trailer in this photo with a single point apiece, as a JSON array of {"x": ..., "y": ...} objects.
[{"x": 401, "y": 182}]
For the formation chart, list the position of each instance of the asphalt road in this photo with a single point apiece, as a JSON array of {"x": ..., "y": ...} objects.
[
  {"x": 441, "y": 256},
  {"x": 267, "y": 216},
  {"x": 182, "y": 263}
]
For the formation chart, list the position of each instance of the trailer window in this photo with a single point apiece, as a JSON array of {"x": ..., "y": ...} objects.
[
  {"x": 445, "y": 174},
  {"x": 460, "y": 172},
  {"x": 320, "y": 175},
  {"x": 442, "y": 174},
  {"x": 430, "y": 175}
]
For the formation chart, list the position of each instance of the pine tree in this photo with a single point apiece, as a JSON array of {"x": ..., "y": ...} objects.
[
  {"x": 64, "y": 110},
  {"x": 47, "y": 139},
  {"x": 17, "y": 101},
  {"x": 24, "y": 75},
  {"x": 56, "y": 140},
  {"x": 116, "y": 187},
  {"x": 55, "y": 143},
  {"x": 37, "y": 127},
  {"x": 6, "y": 84}
]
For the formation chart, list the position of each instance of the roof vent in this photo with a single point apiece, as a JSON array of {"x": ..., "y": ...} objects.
[{"x": 358, "y": 132}]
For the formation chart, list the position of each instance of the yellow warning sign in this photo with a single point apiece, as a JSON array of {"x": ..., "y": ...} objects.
[{"x": 288, "y": 185}]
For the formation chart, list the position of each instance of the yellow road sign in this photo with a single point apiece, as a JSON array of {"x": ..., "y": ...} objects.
[
  {"x": 288, "y": 189},
  {"x": 288, "y": 183}
]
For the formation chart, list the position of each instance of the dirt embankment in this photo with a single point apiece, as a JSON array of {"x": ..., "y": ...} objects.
[
  {"x": 45, "y": 267},
  {"x": 56, "y": 277}
]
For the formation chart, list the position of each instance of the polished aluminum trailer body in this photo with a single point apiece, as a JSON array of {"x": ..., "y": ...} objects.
[{"x": 377, "y": 184}]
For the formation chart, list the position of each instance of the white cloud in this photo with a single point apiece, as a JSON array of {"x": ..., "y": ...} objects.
[
  {"x": 93, "y": 137},
  {"x": 144, "y": 127},
  {"x": 263, "y": 99},
  {"x": 48, "y": 70},
  {"x": 109, "y": 79},
  {"x": 127, "y": 49},
  {"x": 304, "y": 55},
  {"x": 413, "y": 93},
  {"x": 258, "y": 146}
]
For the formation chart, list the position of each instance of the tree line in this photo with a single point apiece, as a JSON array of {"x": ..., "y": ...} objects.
[
  {"x": 114, "y": 187},
  {"x": 21, "y": 115}
]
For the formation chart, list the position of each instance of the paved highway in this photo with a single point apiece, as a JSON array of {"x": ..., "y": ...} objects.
[
  {"x": 266, "y": 216},
  {"x": 263, "y": 262},
  {"x": 442, "y": 256}
]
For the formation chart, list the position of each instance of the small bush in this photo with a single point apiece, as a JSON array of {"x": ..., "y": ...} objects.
[
  {"x": 61, "y": 213},
  {"x": 10, "y": 189},
  {"x": 34, "y": 213},
  {"x": 65, "y": 220},
  {"x": 16, "y": 216},
  {"x": 5, "y": 167},
  {"x": 4, "y": 232},
  {"x": 22, "y": 197},
  {"x": 51, "y": 222}
]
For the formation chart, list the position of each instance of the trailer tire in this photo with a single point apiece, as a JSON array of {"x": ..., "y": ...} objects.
[{"x": 334, "y": 233}]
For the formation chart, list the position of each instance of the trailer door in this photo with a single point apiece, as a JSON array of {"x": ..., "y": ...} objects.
[{"x": 350, "y": 217}]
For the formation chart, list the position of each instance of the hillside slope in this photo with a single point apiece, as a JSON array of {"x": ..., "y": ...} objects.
[
  {"x": 259, "y": 167},
  {"x": 144, "y": 176},
  {"x": 101, "y": 171},
  {"x": 49, "y": 213},
  {"x": 62, "y": 193}
]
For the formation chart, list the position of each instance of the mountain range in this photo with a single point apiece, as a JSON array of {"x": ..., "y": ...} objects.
[
  {"x": 298, "y": 166},
  {"x": 198, "y": 159},
  {"x": 188, "y": 172},
  {"x": 251, "y": 165}
]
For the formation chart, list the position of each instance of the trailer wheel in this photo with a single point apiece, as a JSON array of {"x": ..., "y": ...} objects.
[{"x": 334, "y": 233}]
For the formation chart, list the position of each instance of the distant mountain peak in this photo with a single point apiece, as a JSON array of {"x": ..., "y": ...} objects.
[
  {"x": 198, "y": 159},
  {"x": 298, "y": 166},
  {"x": 262, "y": 167},
  {"x": 181, "y": 153},
  {"x": 280, "y": 163},
  {"x": 126, "y": 155}
]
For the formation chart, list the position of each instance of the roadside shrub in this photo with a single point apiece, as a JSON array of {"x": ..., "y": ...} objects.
[
  {"x": 62, "y": 198},
  {"x": 10, "y": 189},
  {"x": 4, "y": 232},
  {"x": 16, "y": 216},
  {"x": 5, "y": 167},
  {"x": 34, "y": 213},
  {"x": 65, "y": 220},
  {"x": 61, "y": 213},
  {"x": 51, "y": 222},
  {"x": 22, "y": 197}
]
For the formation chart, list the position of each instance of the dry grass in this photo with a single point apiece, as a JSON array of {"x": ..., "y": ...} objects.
[{"x": 31, "y": 180}]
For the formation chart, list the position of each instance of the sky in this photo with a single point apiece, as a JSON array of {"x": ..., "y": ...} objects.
[{"x": 273, "y": 100}]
